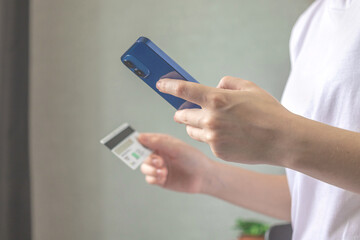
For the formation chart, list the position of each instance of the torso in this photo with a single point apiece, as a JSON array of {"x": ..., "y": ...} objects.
[{"x": 324, "y": 85}]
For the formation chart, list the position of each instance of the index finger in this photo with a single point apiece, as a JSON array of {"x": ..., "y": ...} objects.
[{"x": 190, "y": 91}]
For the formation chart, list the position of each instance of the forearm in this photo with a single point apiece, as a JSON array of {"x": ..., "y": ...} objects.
[
  {"x": 267, "y": 194},
  {"x": 324, "y": 152}
]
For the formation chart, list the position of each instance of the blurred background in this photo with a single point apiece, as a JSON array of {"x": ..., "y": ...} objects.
[{"x": 80, "y": 91}]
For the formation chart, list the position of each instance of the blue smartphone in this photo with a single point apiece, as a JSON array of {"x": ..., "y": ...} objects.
[{"x": 150, "y": 64}]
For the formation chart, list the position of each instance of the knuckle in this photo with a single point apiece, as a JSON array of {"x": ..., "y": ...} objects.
[
  {"x": 210, "y": 123},
  {"x": 152, "y": 171},
  {"x": 217, "y": 100},
  {"x": 211, "y": 136},
  {"x": 159, "y": 138},
  {"x": 161, "y": 162},
  {"x": 180, "y": 89},
  {"x": 225, "y": 79},
  {"x": 156, "y": 139}
]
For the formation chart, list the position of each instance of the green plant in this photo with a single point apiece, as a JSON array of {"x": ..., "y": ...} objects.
[{"x": 251, "y": 228}]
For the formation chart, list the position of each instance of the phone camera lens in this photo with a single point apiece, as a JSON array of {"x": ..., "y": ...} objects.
[
  {"x": 129, "y": 64},
  {"x": 139, "y": 72}
]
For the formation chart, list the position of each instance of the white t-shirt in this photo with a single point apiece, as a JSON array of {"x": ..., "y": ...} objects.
[{"x": 324, "y": 85}]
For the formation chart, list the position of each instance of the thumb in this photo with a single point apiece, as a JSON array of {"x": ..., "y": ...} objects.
[
  {"x": 154, "y": 141},
  {"x": 233, "y": 83}
]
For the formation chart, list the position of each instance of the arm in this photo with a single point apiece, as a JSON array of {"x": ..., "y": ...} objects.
[
  {"x": 263, "y": 193},
  {"x": 324, "y": 152}
]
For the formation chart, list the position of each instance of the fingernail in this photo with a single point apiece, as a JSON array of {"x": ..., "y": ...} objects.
[
  {"x": 159, "y": 84},
  {"x": 158, "y": 171}
]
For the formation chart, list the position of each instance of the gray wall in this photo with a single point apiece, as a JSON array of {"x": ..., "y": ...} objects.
[{"x": 80, "y": 92}]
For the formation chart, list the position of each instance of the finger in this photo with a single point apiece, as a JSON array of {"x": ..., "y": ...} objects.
[
  {"x": 159, "y": 143},
  {"x": 161, "y": 172},
  {"x": 158, "y": 162},
  {"x": 234, "y": 83},
  {"x": 190, "y": 117},
  {"x": 151, "y": 179},
  {"x": 190, "y": 91},
  {"x": 154, "y": 160},
  {"x": 148, "y": 170},
  {"x": 154, "y": 141},
  {"x": 196, "y": 133},
  {"x": 155, "y": 180},
  {"x": 149, "y": 159}
]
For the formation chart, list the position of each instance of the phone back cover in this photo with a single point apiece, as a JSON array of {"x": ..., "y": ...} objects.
[{"x": 159, "y": 66}]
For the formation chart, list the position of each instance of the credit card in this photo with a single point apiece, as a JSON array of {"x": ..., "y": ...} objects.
[{"x": 124, "y": 144}]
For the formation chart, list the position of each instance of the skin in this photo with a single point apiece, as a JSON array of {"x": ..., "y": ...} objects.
[
  {"x": 243, "y": 123},
  {"x": 178, "y": 166}
]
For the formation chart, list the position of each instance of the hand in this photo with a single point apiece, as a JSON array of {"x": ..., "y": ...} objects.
[
  {"x": 240, "y": 121},
  {"x": 174, "y": 164}
]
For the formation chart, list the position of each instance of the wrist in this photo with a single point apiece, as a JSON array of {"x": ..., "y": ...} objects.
[
  {"x": 303, "y": 134},
  {"x": 208, "y": 178},
  {"x": 292, "y": 132}
]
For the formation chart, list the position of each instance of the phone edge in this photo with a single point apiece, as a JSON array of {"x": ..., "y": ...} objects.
[{"x": 168, "y": 59}]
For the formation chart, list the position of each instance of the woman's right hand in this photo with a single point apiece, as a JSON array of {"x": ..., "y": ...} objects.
[{"x": 174, "y": 164}]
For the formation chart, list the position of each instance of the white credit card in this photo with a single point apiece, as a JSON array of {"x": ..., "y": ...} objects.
[{"x": 124, "y": 144}]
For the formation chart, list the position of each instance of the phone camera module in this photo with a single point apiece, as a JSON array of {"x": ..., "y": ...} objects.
[
  {"x": 129, "y": 64},
  {"x": 139, "y": 72}
]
